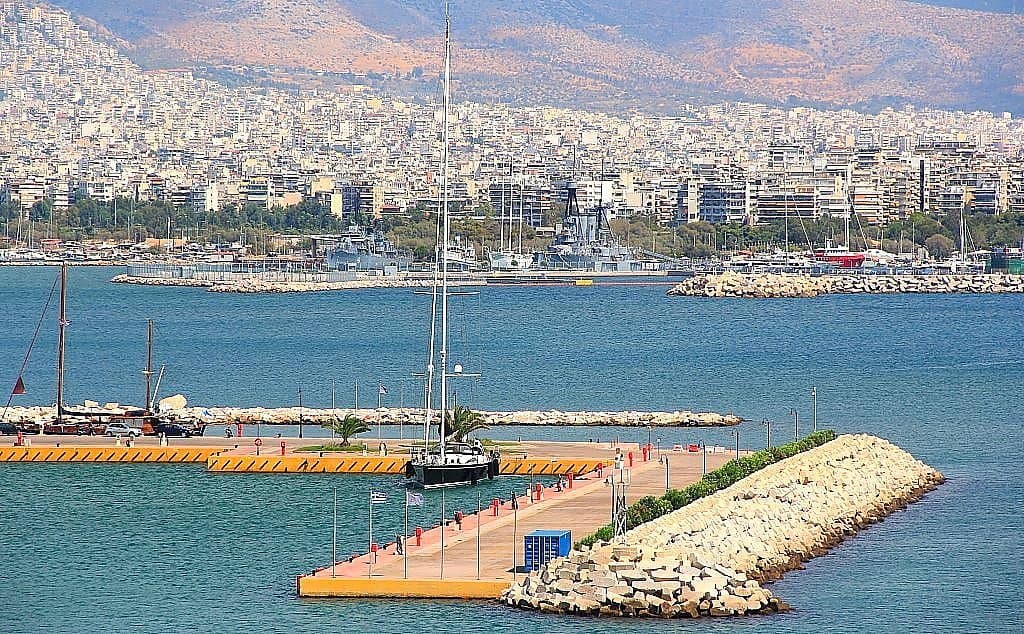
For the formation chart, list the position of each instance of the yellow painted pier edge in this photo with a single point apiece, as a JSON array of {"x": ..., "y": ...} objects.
[
  {"x": 219, "y": 460},
  {"x": 109, "y": 454},
  {"x": 351, "y": 587}
]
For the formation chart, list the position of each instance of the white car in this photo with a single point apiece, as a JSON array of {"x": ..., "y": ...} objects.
[{"x": 123, "y": 429}]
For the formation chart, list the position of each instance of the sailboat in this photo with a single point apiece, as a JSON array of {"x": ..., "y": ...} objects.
[
  {"x": 445, "y": 463},
  {"x": 509, "y": 259}
]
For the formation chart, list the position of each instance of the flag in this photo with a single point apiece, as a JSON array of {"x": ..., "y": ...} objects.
[
  {"x": 413, "y": 499},
  {"x": 378, "y": 497},
  {"x": 19, "y": 387},
  {"x": 382, "y": 390}
]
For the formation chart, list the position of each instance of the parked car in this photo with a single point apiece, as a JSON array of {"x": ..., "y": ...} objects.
[
  {"x": 173, "y": 429},
  {"x": 123, "y": 429},
  {"x": 8, "y": 429}
]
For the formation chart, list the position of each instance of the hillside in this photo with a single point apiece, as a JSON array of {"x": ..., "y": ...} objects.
[{"x": 609, "y": 53}]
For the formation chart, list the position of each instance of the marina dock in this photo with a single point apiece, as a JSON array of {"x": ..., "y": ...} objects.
[
  {"x": 483, "y": 568},
  {"x": 281, "y": 455}
]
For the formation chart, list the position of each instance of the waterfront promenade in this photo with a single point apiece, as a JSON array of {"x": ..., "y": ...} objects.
[{"x": 583, "y": 508}]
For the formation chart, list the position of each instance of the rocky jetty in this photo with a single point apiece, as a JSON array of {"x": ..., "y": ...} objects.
[
  {"x": 414, "y": 416},
  {"x": 772, "y": 285},
  {"x": 710, "y": 557},
  {"x": 255, "y": 285}
]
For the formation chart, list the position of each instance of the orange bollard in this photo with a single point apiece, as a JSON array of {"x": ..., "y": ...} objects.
[
  {"x": 570, "y": 477},
  {"x": 419, "y": 536}
]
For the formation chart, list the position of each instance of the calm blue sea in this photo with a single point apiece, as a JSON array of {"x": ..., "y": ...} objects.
[{"x": 165, "y": 548}]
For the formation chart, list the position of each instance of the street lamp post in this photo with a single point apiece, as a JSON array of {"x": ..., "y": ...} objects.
[
  {"x": 796, "y": 423},
  {"x": 300, "y": 412},
  {"x": 703, "y": 457},
  {"x": 664, "y": 461},
  {"x": 736, "y": 434},
  {"x": 768, "y": 433}
]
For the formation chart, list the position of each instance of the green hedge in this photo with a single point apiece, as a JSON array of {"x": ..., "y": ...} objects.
[{"x": 648, "y": 508}]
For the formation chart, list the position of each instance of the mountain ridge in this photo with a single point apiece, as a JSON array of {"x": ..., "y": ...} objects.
[{"x": 585, "y": 52}]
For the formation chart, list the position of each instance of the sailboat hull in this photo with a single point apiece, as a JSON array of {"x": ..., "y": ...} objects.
[{"x": 452, "y": 475}]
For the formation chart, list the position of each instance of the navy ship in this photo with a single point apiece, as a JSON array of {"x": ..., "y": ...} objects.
[
  {"x": 362, "y": 250},
  {"x": 586, "y": 243}
]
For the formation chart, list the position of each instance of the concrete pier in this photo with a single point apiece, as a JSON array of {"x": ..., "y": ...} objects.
[{"x": 582, "y": 509}]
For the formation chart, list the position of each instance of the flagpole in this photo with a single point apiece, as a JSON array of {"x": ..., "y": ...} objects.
[
  {"x": 442, "y": 533},
  {"x": 334, "y": 535},
  {"x": 380, "y": 395},
  {"x": 405, "y": 539},
  {"x": 478, "y": 517},
  {"x": 369, "y": 547},
  {"x": 515, "y": 522}
]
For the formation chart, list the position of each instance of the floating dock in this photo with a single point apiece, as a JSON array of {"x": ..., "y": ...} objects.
[{"x": 74, "y": 453}]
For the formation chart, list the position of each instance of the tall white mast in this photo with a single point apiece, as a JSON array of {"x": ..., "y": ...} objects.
[{"x": 445, "y": 224}]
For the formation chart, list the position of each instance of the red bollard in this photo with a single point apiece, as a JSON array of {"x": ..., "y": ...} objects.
[
  {"x": 21, "y": 439},
  {"x": 538, "y": 492},
  {"x": 419, "y": 536},
  {"x": 373, "y": 547},
  {"x": 283, "y": 447},
  {"x": 495, "y": 503},
  {"x": 600, "y": 469},
  {"x": 631, "y": 459},
  {"x": 570, "y": 476},
  {"x": 238, "y": 427}
]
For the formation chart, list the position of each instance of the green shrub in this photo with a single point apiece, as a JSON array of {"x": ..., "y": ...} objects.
[{"x": 649, "y": 507}]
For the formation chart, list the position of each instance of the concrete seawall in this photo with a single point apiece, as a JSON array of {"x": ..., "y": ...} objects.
[
  {"x": 710, "y": 557},
  {"x": 771, "y": 285},
  {"x": 413, "y": 416}
]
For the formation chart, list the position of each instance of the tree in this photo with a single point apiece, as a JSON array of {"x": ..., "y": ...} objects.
[
  {"x": 347, "y": 427},
  {"x": 939, "y": 246},
  {"x": 461, "y": 422}
]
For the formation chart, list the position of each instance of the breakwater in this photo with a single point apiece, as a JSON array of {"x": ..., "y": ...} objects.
[
  {"x": 414, "y": 416},
  {"x": 773, "y": 285},
  {"x": 709, "y": 558},
  {"x": 255, "y": 285}
]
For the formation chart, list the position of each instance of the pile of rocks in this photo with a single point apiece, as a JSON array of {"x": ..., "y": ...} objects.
[
  {"x": 773, "y": 285},
  {"x": 257, "y": 285},
  {"x": 414, "y": 416},
  {"x": 161, "y": 281},
  {"x": 710, "y": 557}
]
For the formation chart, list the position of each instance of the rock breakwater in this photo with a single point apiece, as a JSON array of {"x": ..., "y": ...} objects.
[
  {"x": 772, "y": 285},
  {"x": 254, "y": 285},
  {"x": 710, "y": 557},
  {"x": 414, "y": 416}
]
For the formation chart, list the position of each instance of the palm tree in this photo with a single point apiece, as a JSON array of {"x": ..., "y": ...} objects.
[
  {"x": 347, "y": 427},
  {"x": 461, "y": 421}
]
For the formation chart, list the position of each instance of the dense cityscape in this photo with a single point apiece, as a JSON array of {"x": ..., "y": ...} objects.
[{"x": 79, "y": 121}]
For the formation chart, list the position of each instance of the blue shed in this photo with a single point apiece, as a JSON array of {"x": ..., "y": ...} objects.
[{"x": 542, "y": 546}]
